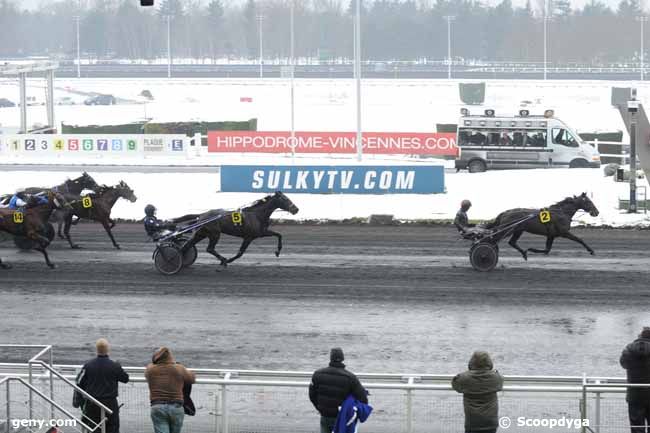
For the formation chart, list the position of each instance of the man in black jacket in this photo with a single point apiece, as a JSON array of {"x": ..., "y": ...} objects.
[
  {"x": 99, "y": 378},
  {"x": 330, "y": 386},
  {"x": 636, "y": 360}
]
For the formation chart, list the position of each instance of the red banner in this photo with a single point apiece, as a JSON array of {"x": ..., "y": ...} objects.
[{"x": 405, "y": 143}]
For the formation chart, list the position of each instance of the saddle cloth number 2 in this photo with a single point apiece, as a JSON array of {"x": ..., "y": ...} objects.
[{"x": 544, "y": 216}]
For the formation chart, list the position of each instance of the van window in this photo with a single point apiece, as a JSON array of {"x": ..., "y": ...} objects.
[
  {"x": 536, "y": 138},
  {"x": 563, "y": 137}
]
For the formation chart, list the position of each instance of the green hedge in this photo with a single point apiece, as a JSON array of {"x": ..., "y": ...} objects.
[
  {"x": 472, "y": 93},
  {"x": 187, "y": 128}
]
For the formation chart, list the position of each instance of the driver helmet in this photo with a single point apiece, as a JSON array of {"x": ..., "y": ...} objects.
[
  {"x": 465, "y": 204},
  {"x": 150, "y": 210}
]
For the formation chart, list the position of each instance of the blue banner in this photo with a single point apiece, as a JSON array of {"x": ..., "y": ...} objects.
[{"x": 343, "y": 179}]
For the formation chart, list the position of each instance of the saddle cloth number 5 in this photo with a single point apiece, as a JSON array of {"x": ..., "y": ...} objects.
[
  {"x": 87, "y": 202},
  {"x": 544, "y": 216},
  {"x": 18, "y": 217},
  {"x": 237, "y": 218}
]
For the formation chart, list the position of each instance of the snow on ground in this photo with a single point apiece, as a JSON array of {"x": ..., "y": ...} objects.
[
  {"x": 320, "y": 104},
  {"x": 490, "y": 193}
]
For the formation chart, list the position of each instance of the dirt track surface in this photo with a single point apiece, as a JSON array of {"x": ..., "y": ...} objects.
[{"x": 397, "y": 299}]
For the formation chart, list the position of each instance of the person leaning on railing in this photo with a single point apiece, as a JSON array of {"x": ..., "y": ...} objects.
[
  {"x": 329, "y": 388},
  {"x": 99, "y": 377},
  {"x": 479, "y": 386},
  {"x": 636, "y": 360},
  {"x": 166, "y": 379}
]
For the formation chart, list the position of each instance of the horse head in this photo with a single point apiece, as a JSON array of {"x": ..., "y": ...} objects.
[
  {"x": 125, "y": 191},
  {"x": 284, "y": 203},
  {"x": 583, "y": 202},
  {"x": 86, "y": 181}
]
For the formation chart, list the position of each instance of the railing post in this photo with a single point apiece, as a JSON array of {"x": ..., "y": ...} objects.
[
  {"x": 8, "y": 406},
  {"x": 409, "y": 407},
  {"x": 103, "y": 420},
  {"x": 224, "y": 406},
  {"x": 583, "y": 408},
  {"x": 597, "y": 411},
  {"x": 31, "y": 402},
  {"x": 51, "y": 383},
  {"x": 217, "y": 414}
]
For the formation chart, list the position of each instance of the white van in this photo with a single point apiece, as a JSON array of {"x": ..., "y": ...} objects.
[{"x": 504, "y": 142}]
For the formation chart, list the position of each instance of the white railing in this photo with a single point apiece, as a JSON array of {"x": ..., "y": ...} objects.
[
  {"x": 230, "y": 400},
  {"x": 623, "y": 157}
]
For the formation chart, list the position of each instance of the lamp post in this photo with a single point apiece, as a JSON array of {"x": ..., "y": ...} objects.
[
  {"x": 260, "y": 19},
  {"x": 357, "y": 68},
  {"x": 642, "y": 19},
  {"x": 169, "y": 45},
  {"x": 449, "y": 19},
  {"x": 632, "y": 108},
  {"x": 77, "y": 18},
  {"x": 292, "y": 62},
  {"x": 547, "y": 18}
]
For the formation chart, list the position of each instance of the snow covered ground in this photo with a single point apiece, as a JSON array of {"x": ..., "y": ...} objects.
[
  {"x": 320, "y": 104},
  {"x": 329, "y": 105},
  {"x": 490, "y": 193}
]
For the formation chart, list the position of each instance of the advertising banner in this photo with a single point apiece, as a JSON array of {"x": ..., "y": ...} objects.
[
  {"x": 110, "y": 145},
  {"x": 404, "y": 143},
  {"x": 334, "y": 179}
]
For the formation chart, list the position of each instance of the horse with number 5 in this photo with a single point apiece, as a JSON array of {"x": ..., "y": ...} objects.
[
  {"x": 249, "y": 223},
  {"x": 552, "y": 222}
]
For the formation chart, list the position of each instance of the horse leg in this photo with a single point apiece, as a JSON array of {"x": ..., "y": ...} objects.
[
  {"x": 66, "y": 232},
  {"x": 42, "y": 247},
  {"x": 277, "y": 235},
  {"x": 110, "y": 234},
  {"x": 549, "y": 245},
  {"x": 242, "y": 250},
  {"x": 513, "y": 243},
  {"x": 213, "y": 243},
  {"x": 112, "y": 223},
  {"x": 60, "y": 219},
  {"x": 575, "y": 238}
]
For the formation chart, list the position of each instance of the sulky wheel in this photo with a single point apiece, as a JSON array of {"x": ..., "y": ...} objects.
[
  {"x": 189, "y": 257},
  {"x": 484, "y": 256},
  {"x": 168, "y": 259}
]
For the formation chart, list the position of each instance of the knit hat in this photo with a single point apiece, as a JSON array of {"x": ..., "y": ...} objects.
[
  {"x": 645, "y": 333},
  {"x": 336, "y": 355},
  {"x": 480, "y": 361},
  {"x": 162, "y": 355}
]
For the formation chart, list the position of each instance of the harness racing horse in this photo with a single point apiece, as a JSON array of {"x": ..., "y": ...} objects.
[
  {"x": 71, "y": 187},
  {"x": 553, "y": 222},
  {"x": 97, "y": 207},
  {"x": 31, "y": 222},
  {"x": 249, "y": 223}
]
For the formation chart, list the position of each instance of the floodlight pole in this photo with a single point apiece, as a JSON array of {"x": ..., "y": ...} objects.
[
  {"x": 77, "y": 18},
  {"x": 642, "y": 19},
  {"x": 449, "y": 19},
  {"x": 169, "y": 46},
  {"x": 292, "y": 66},
  {"x": 260, "y": 18},
  {"x": 357, "y": 68}
]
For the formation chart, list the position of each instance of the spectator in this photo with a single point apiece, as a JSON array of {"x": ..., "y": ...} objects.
[
  {"x": 330, "y": 386},
  {"x": 99, "y": 378},
  {"x": 166, "y": 379},
  {"x": 479, "y": 386},
  {"x": 636, "y": 360}
]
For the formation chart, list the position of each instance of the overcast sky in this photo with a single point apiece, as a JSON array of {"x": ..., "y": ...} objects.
[{"x": 576, "y": 3}]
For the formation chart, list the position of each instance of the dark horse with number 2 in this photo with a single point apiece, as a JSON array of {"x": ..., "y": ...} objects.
[
  {"x": 249, "y": 223},
  {"x": 557, "y": 225}
]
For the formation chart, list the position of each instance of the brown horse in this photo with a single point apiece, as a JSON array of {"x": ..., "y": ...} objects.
[
  {"x": 553, "y": 222},
  {"x": 95, "y": 207},
  {"x": 31, "y": 221}
]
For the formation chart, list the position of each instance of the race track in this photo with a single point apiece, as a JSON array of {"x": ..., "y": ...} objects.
[{"x": 397, "y": 299}]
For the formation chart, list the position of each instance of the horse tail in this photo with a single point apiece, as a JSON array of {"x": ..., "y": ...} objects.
[{"x": 494, "y": 223}]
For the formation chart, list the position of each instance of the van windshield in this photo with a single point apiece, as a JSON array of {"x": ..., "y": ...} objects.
[{"x": 564, "y": 138}]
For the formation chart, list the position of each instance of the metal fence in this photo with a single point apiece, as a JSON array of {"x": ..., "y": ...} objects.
[{"x": 230, "y": 401}]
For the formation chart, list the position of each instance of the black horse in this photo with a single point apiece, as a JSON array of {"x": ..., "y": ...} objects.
[
  {"x": 553, "y": 222},
  {"x": 249, "y": 223}
]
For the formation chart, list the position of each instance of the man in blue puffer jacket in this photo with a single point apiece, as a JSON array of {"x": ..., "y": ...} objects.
[{"x": 352, "y": 411}]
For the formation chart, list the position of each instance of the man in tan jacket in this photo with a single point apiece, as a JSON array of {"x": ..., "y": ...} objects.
[{"x": 166, "y": 379}]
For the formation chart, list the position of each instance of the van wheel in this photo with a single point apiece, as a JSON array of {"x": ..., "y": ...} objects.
[
  {"x": 579, "y": 163},
  {"x": 476, "y": 166}
]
